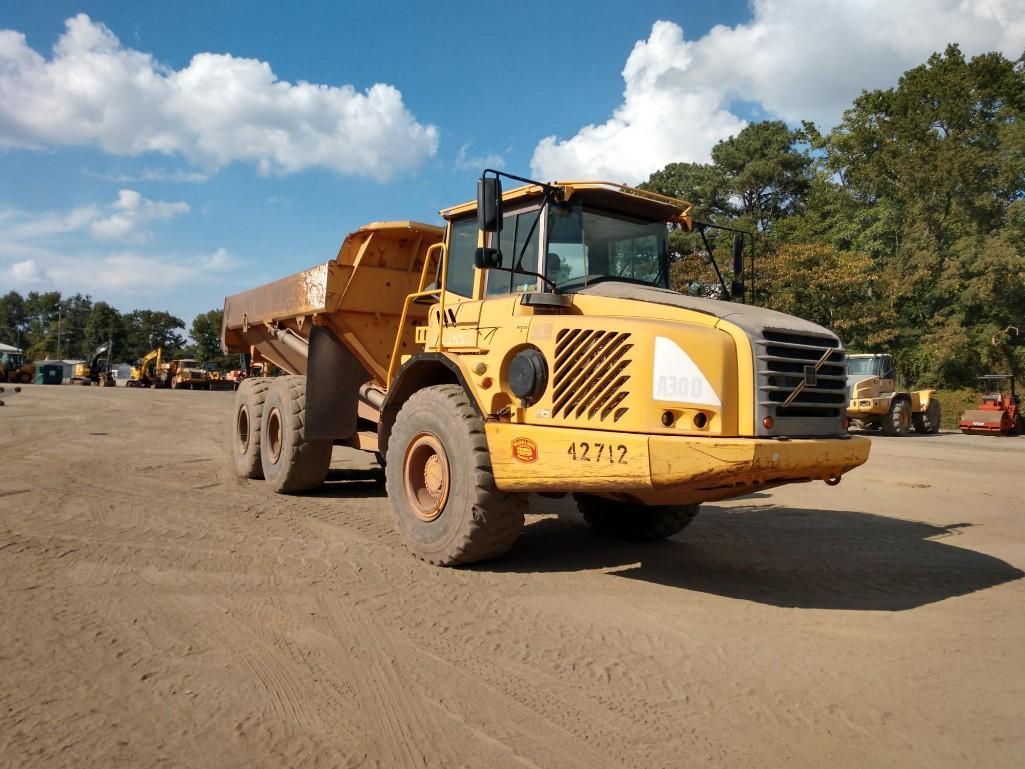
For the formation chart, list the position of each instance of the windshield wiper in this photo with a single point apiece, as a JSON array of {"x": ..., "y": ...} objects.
[{"x": 604, "y": 279}]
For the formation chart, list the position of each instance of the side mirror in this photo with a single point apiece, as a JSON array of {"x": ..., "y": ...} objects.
[
  {"x": 737, "y": 289},
  {"x": 738, "y": 254},
  {"x": 489, "y": 204},
  {"x": 485, "y": 258}
]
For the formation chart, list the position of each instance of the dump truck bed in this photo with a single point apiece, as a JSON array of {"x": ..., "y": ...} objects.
[{"x": 358, "y": 296}]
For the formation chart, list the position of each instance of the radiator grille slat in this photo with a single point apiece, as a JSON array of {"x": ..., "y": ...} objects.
[{"x": 592, "y": 370}]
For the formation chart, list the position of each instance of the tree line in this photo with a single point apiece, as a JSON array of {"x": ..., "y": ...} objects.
[
  {"x": 902, "y": 229},
  {"x": 49, "y": 325}
]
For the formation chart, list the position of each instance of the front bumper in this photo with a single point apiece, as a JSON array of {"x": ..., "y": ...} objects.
[
  {"x": 659, "y": 469},
  {"x": 868, "y": 407}
]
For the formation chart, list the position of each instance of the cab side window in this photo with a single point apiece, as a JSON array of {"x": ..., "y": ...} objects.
[
  {"x": 520, "y": 233},
  {"x": 461, "y": 247}
]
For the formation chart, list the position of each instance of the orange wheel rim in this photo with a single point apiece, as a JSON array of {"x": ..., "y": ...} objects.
[
  {"x": 274, "y": 435},
  {"x": 242, "y": 426},
  {"x": 426, "y": 476}
]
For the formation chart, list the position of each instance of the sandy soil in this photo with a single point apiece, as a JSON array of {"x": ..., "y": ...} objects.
[{"x": 156, "y": 611}]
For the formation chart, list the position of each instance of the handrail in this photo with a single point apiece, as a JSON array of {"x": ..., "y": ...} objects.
[{"x": 410, "y": 298}]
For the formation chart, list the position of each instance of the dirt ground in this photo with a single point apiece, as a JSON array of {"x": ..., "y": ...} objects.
[{"x": 156, "y": 611}]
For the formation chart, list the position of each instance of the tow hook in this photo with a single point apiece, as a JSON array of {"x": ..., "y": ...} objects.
[{"x": 833, "y": 480}]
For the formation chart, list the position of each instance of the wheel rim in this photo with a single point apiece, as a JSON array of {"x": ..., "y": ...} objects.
[
  {"x": 426, "y": 476},
  {"x": 242, "y": 427},
  {"x": 905, "y": 419},
  {"x": 273, "y": 436}
]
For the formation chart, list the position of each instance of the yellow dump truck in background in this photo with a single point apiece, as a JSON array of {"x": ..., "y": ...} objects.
[
  {"x": 875, "y": 401},
  {"x": 531, "y": 344}
]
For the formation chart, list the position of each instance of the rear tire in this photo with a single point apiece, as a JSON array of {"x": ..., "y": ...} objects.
[
  {"x": 897, "y": 421},
  {"x": 440, "y": 483},
  {"x": 290, "y": 463},
  {"x": 245, "y": 428},
  {"x": 928, "y": 422},
  {"x": 634, "y": 522}
]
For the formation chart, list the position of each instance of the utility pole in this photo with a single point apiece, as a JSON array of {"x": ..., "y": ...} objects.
[{"x": 59, "y": 331}]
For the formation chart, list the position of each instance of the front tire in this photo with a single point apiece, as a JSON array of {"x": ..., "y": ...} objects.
[
  {"x": 928, "y": 422},
  {"x": 442, "y": 490},
  {"x": 290, "y": 463},
  {"x": 897, "y": 421},
  {"x": 633, "y": 522}
]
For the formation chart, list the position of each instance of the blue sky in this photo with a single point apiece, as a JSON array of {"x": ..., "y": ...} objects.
[{"x": 211, "y": 176}]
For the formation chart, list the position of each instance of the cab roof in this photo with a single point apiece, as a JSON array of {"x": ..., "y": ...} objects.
[{"x": 609, "y": 195}]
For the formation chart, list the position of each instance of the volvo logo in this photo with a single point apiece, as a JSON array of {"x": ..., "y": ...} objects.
[{"x": 811, "y": 377}]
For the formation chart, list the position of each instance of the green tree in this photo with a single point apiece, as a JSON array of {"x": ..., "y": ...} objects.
[
  {"x": 206, "y": 333},
  {"x": 103, "y": 324},
  {"x": 932, "y": 171},
  {"x": 42, "y": 311},
  {"x": 827, "y": 286},
  {"x": 13, "y": 320},
  {"x": 766, "y": 171},
  {"x": 74, "y": 313},
  {"x": 146, "y": 330}
]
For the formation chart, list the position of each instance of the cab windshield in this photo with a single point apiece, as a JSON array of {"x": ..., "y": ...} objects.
[
  {"x": 587, "y": 245},
  {"x": 862, "y": 366}
]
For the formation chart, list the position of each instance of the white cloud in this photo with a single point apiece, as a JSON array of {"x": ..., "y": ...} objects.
[
  {"x": 150, "y": 175},
  {"x": 131, "y": 213},
  {"x": 217, "y": 110},
  {"x": 124, "y": 274},
  {"x": 54, "y": 249},
  {"x": 797, "y": 59},
  {"x": 26, "y": 272},
  {"x": 469, "y": 161},
  {"x": 126, "y": 219}
]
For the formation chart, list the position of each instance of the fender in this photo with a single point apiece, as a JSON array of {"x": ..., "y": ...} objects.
[{"x": 421, "y": 370}]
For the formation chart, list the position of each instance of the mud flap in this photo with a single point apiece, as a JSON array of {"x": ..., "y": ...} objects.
[{"x": 333, "y": 379}]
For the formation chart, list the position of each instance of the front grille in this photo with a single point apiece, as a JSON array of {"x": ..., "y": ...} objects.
[
  {"x": 785, "y": 360},
  {"x": 592, "y": 370}
]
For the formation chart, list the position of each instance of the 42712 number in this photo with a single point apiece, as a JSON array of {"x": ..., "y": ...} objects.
[{"x": 610, "y": 453}]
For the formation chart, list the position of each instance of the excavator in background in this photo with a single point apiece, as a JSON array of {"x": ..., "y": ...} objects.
[
  {"x": 13, "y": 367},
  {"x": 148, "y": 372},
  {"x": 177, "y": 374},
  {"x": 96, "y": 370}
]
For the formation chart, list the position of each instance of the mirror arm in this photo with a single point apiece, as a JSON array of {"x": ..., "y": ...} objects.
[
  {"x": 700, "y": 226},
  {"x": 711, "y": 260}
]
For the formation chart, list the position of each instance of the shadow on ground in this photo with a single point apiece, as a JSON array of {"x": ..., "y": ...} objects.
[
  {"x": 812, "y": 559},
  {"x": 352, "y": 483}
]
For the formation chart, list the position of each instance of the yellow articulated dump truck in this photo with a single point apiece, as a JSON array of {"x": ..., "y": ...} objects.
[
  {"x": 875, "y": 402},
  {"x": 532, "y": 345}
]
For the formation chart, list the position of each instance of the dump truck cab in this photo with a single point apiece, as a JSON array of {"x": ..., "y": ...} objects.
[{"x": 532, "y": 345}]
